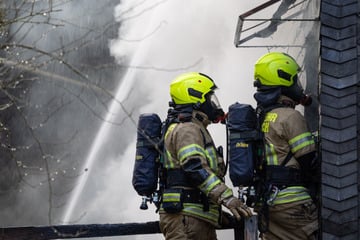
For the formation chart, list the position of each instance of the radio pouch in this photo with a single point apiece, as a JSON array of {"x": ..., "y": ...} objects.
[{"x": 172, "y": 201}]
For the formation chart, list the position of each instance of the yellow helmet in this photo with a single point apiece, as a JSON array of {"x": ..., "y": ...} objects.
[
  {"x": 191, "y": 88},
  {"x": 275, "y": 69}
]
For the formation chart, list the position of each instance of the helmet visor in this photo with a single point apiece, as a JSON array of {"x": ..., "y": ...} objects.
[
  {"x": 213, "y": 109},
  {"x": 214, "y": 101}
]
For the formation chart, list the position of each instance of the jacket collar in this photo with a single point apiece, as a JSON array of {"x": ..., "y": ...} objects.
[
  {"x": 200, "y": 118},
  {"x": 286, "y": 101}
]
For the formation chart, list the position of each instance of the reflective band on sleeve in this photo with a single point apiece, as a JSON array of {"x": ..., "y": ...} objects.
[
  {"x": 209, "y": 184},
  {"x": 226, "y": 194},
  {"x": 301, "y": 141},
  {"x": 190, "y": 150}
]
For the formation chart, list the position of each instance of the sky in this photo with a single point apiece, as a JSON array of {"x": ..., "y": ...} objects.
[{"x": 164, "y": 39}]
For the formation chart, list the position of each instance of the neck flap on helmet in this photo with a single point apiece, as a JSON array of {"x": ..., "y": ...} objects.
[
  {"x": 180, "y": 112},
  {"x": 267, "y": 98}
]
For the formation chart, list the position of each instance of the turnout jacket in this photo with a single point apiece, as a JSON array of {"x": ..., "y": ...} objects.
[
  {"x": 285, "y": 131},
  {"x": 189, "y": 143}
]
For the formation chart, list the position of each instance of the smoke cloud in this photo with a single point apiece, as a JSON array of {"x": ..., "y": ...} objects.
[
  {"x": 196, "y": 36},
  {"x": 178, "y": 38},
  {"x": 157, "y": 41}
]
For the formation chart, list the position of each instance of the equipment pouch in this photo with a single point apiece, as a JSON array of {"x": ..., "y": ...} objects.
[{"x": 172, "y": 201}]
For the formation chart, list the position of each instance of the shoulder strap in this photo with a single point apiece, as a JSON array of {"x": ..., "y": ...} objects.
[{"x": 287, "y": 159}]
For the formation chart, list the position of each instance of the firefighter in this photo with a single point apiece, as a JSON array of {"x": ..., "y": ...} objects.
[
  {"x": 287, "y": 210},
  {"x": 195, "y": 169}
]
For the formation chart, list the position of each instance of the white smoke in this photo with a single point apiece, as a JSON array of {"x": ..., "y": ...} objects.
[
  {"x": 176, "y": 38},
  {"x": 167, "y": 38}
]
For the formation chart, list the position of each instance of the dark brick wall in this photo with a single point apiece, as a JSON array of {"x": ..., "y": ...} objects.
[{"x": 339, "y": 94}]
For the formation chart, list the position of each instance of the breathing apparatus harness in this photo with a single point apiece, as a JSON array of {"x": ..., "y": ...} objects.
[
  {"x": 151, "y": 179},
  {"x": 176, "y": 182},
  {"x": 273, "y": 178}
]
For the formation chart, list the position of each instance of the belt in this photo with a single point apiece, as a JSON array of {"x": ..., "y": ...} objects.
[
  {"x": 193, "y": 196},
  {"x": 196, "y": 196},
  {"x": 176, "y": 177},
  {"x": 284, "y": 176}
]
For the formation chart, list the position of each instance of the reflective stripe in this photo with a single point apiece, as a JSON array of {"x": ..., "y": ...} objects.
[
  {"x": 291, "y": 194},
  {"x": 211, "y": 157},
  {"x": 170, "y": 129},
  {"x": 189, "y": 150},
  {"x": 209, "y": 183},
  {"x": 301, "y": 141},
  {"x": 194, "y": 209},
  {"x": 226, "y": 194},
  {"x": 270, "y": 154},
  {"x": 169, "y": 161},
  {"x": 171, "y": 197},
  {"x": 197, "y": 209}
]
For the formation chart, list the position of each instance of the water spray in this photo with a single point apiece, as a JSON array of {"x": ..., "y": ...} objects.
[
  {"x": 102, "y": 134},
  {"x": 115, "y": 109}
]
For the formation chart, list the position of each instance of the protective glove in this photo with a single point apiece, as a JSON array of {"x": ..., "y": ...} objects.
[{"x": 237, "y": 207}]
